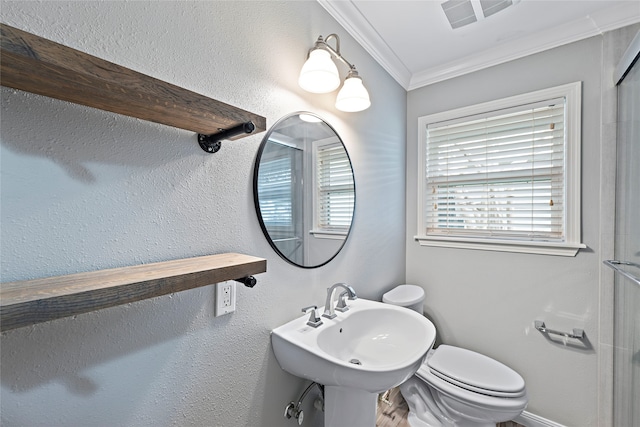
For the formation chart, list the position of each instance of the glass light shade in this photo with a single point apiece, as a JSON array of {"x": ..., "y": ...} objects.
[
  {"x": 319, "y": 74},
  {"x": 353, "y": 96}
]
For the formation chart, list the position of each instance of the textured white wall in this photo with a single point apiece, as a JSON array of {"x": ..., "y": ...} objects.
[
  {"x": 83, "y": 190},
  {"x": 488, "y": 301}
]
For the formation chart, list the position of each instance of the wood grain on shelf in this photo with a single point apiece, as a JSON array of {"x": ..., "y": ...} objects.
[
  {"x": 34, "y": 64},
  {"x": 32, "y": 301}
]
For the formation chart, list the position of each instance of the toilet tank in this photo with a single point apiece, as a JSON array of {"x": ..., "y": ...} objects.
[{"x": 408, "y": 296}]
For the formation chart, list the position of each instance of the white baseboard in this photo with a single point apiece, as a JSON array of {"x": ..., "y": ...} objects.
[{"x": 530, "y": 420}]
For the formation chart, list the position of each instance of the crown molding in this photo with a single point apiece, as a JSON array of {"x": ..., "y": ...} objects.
[
  {"x": 350, "y": 17},
  {"x": 628, "y": 59},
  {"x": 589, "y": 26}
]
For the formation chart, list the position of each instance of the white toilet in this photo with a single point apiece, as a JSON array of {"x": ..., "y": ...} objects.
[{"x": 457, "y": 387}]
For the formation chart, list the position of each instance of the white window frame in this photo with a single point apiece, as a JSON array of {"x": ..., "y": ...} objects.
[
  {"x": 318, "y": 231},
  {"x": 572, "y": 93}
]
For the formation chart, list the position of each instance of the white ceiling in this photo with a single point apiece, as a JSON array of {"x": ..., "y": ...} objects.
[{"x": 415, "y": 43}]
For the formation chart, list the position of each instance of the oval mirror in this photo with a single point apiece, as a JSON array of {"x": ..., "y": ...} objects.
[{"x": 304, "y": 190}]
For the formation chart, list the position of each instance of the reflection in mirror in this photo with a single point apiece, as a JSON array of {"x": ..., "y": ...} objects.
[{"x": 304, "y": 190}]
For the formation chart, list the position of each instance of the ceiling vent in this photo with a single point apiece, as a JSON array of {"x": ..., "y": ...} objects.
[
  {"x": 459, "y": 12},
  {"x": 465, "y": 12},
  {"x": 489, "y": 7}
]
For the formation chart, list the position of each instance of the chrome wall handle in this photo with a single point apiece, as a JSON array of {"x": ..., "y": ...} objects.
[
  {"x": 615, "y": 264},
  {"x": 576, "y": 333}
]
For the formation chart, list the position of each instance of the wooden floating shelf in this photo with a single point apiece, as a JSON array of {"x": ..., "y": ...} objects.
[
  {"x": 34, "y": 64},
  {"x": 29, "y": 302}
]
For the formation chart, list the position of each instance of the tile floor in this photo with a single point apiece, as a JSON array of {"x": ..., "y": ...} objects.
[{"x": 392, "y": 410}]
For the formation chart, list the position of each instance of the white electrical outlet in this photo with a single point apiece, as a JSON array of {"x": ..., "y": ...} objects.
[{"x": 225, "y": 298}]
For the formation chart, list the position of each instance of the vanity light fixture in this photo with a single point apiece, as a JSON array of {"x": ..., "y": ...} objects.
[{"x": 319, "y": 74}]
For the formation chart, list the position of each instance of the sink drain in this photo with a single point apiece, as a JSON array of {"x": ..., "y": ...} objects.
[{"x": 355, "y": 362}]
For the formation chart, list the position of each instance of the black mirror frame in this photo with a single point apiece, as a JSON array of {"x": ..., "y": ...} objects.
[{"x": 256, "y": 202}]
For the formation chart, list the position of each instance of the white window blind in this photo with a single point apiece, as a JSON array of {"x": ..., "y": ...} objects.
[
  {"x": 499, "y": 174},
  {"x": 335, "y": 188},
  {"x": 504, "y": 175},
  {"x": 276, "y": 194}
]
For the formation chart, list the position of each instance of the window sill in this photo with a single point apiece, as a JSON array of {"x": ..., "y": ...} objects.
[
  {"x": 325, "y": 234},
  {"x": 540, "y": 248}
]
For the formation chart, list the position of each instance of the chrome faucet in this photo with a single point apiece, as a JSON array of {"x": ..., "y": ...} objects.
[
  {"x": 314, "y": 318},
  {"x": 349, "y": 293}
]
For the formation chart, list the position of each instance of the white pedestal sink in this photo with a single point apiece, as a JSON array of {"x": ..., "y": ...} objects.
[
  {"x": 364, "y": 351},
  {"x": 349, "y": 407}
]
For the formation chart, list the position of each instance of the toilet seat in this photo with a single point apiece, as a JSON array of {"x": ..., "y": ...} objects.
[
  {"x": 452, "y": 401},
  {"x": 473, "y": 372}
]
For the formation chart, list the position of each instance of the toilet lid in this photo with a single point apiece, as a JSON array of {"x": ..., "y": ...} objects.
[
  {"x": 475, "y": 372},
  {"x": 404, "y": 295}
]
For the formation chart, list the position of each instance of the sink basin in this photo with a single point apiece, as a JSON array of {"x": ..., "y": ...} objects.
[{"x": 372, "y": 347}]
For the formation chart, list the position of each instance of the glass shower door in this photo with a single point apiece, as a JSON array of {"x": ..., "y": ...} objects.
[
  {"x": 627, "y": 247},
  {"x": 280, "y": 183}
]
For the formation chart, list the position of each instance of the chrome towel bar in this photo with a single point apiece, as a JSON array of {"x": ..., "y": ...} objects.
[
  {"x": 615, "y": 264},
  {"x": 576, "y": 333}
]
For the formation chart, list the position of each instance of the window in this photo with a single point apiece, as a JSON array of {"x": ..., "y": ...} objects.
[
  {"x": 334, "y": 187},
  {"x": 504, "y": 175}
]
